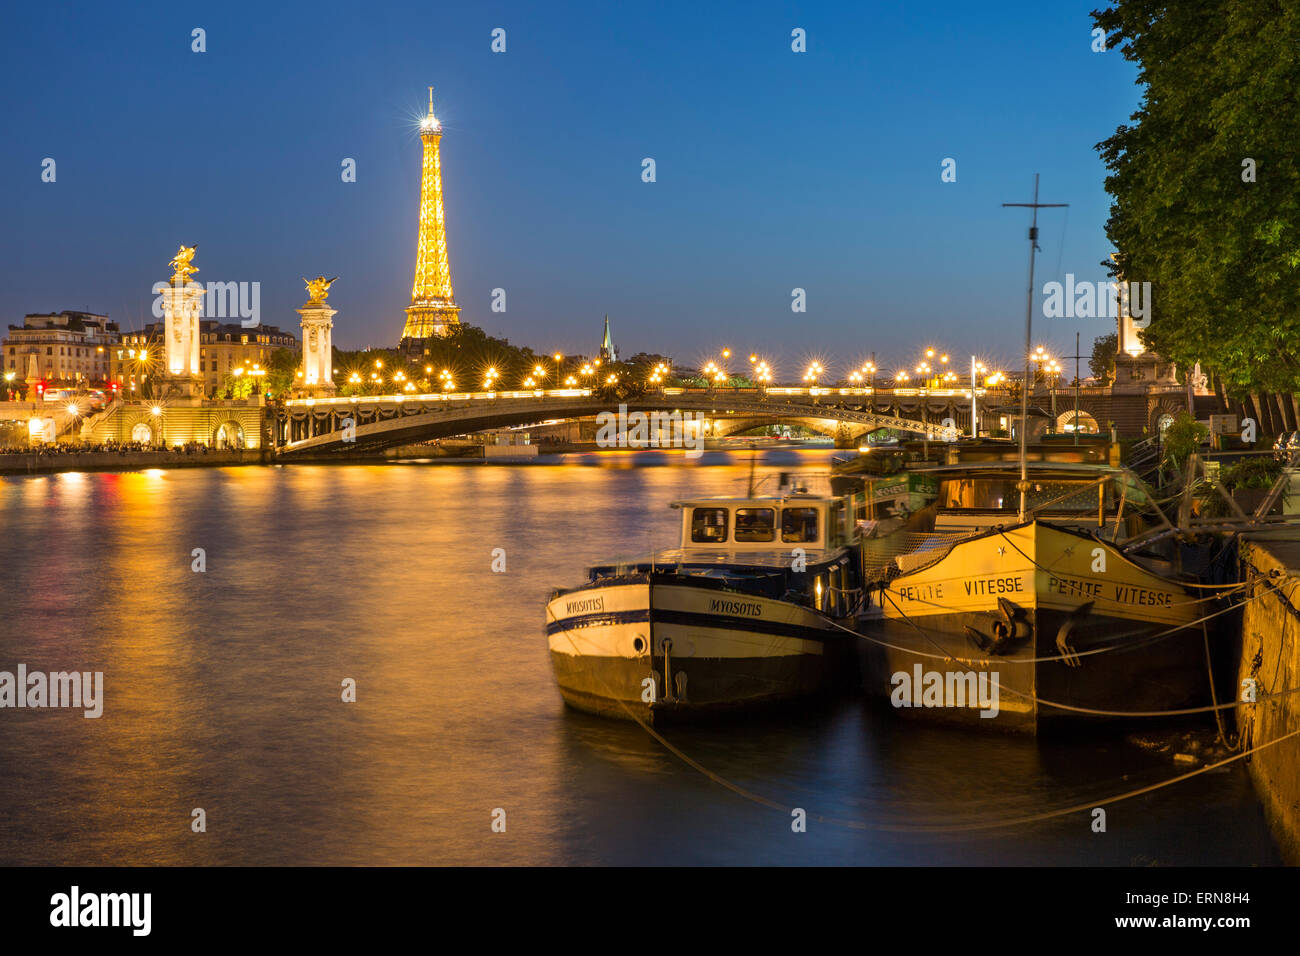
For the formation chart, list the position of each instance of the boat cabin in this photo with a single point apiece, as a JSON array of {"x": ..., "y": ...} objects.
[
  {"x": 811, "y": 522},
  {"x": 978, "y": 497}
]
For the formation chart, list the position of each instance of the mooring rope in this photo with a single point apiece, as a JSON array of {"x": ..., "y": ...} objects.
[
  {"x": 1238, "y": 585},
  {"x": 1215, "y": 708},
  {"x": 863, "y": 825},
  {"x": 1117, "y": 648}
]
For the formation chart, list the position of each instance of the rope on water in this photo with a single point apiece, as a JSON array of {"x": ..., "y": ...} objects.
[
  {"x": 862, "y": 825},
  {"x": 995, "y": 823}
]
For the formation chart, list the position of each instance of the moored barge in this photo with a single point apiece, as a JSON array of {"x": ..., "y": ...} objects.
[{"x": 746, "y": 612}]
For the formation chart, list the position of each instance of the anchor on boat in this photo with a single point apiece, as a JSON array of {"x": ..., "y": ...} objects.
[{"x": 1010, "y": 626}]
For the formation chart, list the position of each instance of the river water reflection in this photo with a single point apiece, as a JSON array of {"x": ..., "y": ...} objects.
[{"x": 223, "y": 693}]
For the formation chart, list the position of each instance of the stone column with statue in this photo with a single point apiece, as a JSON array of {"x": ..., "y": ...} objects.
[
  {"x": 317, "y": 345},
  {"x": 182, "y": 302}
]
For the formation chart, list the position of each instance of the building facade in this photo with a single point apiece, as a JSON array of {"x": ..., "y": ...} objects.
[
  {"x": 70, "y": 349},
  {"x": 223, "y": 348}
]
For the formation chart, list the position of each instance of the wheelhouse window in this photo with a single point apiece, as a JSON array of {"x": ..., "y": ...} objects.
[
  {"x": 999, "y": 494},
  {"x": 799, "y": 525},
  {"x": 755, "y": 524},
  {"x": 709, "y": 525}
]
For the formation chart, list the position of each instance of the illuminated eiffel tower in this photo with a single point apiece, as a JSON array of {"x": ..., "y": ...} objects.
[{"x": 433, "y": 311}]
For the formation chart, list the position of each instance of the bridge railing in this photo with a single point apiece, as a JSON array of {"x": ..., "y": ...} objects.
[
  {"x": 415, "y": 397},
  {"x": 781, "y": 391}
]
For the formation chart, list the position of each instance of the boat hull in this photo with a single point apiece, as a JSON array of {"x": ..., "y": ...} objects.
[
  {"x": 1055, "y": 626},
  {"x": 657, "y": 647}
]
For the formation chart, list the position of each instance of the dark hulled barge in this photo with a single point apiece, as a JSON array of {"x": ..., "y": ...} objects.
[{"x": 746, "y": 612}]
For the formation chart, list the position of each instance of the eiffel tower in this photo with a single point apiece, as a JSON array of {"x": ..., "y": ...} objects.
[{"x": 433, "y": 311}]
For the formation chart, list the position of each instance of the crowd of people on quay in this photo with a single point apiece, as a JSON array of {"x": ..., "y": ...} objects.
[{"x": 49, "y": 450}]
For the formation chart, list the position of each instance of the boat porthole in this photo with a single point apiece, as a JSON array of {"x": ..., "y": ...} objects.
[{"x": 638, "y": 644}]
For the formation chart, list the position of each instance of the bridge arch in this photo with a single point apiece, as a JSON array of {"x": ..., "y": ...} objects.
[
  {"x": 332, "y": 426},
  {"x": 1088, "y": 425},
  {"x": 229, "y": 434}
]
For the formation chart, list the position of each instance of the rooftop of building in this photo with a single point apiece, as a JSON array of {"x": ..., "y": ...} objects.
[
  {"x": 69, "y": 320},
  {"x": 217, "y": 327}
]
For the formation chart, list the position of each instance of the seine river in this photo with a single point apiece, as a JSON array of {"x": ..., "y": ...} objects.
[{"x": 223, "y": 692}]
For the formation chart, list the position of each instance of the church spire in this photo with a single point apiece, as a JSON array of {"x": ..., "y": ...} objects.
[{"x": 607, "y": 351}]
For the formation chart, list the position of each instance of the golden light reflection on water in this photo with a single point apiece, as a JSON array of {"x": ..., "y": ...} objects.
[{"x": 223, "y": 686}]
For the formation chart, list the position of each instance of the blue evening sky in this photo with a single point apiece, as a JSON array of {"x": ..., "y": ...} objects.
[{"x": 775, "y": 169}]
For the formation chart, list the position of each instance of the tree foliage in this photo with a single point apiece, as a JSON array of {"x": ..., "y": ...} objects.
[
  {"x": 282, "y": 371},
  {"x": 1184, "y": 436},
  {"x": 467, "y": 353},
  {"x": 1222, "y": 253},
  {"x": 1102, "y": 362}
]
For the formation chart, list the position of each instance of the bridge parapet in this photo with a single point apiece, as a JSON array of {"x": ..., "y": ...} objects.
[{"x": 341, "y": 424}]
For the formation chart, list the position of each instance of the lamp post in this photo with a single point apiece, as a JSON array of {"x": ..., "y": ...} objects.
[
  {"x": 1053, "y": 376},
  {"x": 976, "y": 369}
]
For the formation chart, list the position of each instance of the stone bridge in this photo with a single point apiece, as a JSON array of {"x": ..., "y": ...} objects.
[{"x": 327, "y": 426}]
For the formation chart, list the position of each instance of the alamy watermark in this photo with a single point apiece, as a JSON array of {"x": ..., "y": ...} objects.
[
  {"x": 946, "y": 689},
  {"x": 56, "y": 689},
  {"x": 221, "y": 300},
  {"x": 1097, "y": 300},
  {"x": 651, "y": 430},
  {"x": 75, "y": 908}
]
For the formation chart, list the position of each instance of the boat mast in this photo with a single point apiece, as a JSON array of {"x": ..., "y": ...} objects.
[
  {"x": 1077, "y": 356},
  {"x": 1029, "y": 340}
]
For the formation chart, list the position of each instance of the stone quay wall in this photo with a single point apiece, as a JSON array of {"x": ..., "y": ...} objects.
[{"x": 1270, "y": 656}]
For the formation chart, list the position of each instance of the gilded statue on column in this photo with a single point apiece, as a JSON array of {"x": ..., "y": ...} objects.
[
  {"x": 183, "y": 265},
  {"x": 319, "y": 287}
]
